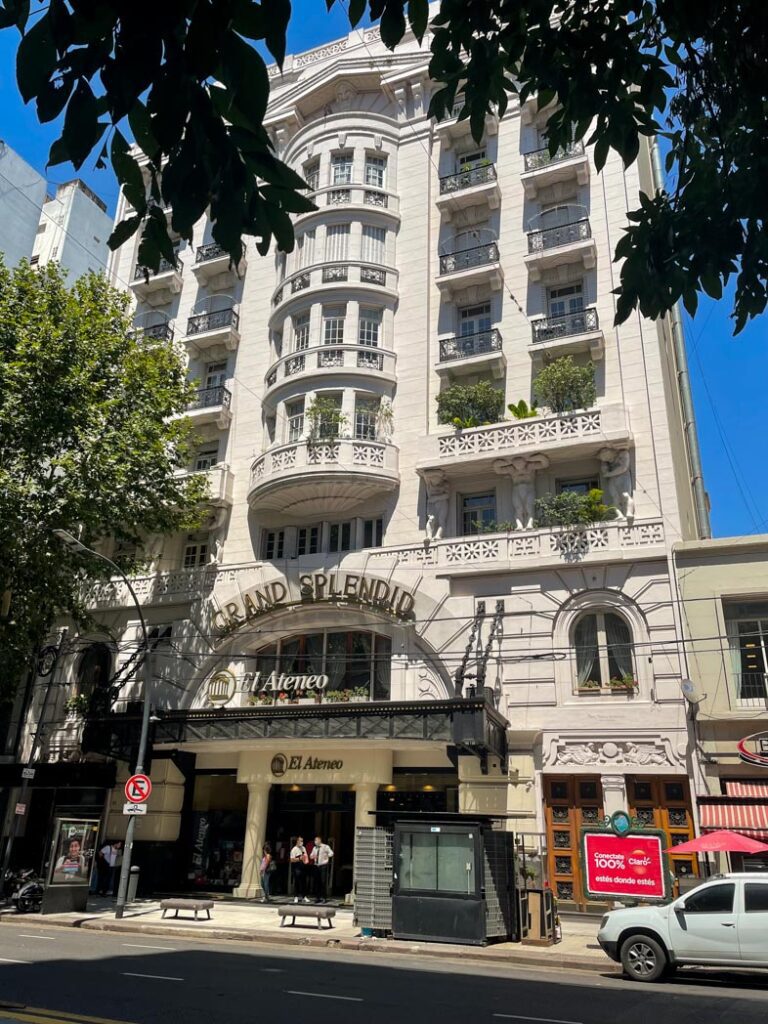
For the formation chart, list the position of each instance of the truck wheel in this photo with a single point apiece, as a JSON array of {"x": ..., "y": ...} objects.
[{"x": 643, "y": 958}]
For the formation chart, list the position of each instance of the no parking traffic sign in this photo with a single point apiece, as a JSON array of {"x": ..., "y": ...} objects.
[{"x": 137, "y": 789}]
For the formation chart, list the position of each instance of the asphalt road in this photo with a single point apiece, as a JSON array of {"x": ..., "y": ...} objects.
[{"x": 50, "y": 975}]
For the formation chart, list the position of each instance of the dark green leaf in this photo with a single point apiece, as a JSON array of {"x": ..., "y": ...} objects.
[
  {"x": 81, "y": 125},
  {"x": 277, "y": 14},
  {"x": 248, "y": 20},
  {"x": 392, "y": 25},
  {"x": 356, "y": 11},
  {"x": 128, "y": 172},
  {"x": 123, "y": 231},
  {"x": 601, "y": 152},
  {"x": 14, "y": 12},
  {"x": 712, "y": 285},
  {"x": 418, "y": 17},
  {"x": 52, "y": 98},
  {"x": 245, "y": 74},
  {"x": 36, "y": 59},
  {"x": 141, "y": 126}
]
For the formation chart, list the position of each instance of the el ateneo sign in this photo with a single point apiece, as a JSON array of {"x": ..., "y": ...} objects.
[{"x": 311, "y": 588}]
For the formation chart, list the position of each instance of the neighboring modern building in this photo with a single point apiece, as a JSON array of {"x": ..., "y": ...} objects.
[
  {"x": 724, "y": 601},
  {"x": 530, "y": 673},
  {"x": 73, "y": 230},
  {"x": 22, "y": 194}
]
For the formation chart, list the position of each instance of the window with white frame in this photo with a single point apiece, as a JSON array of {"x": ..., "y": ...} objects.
[
  {"x": 300, "y": 332},
  {"x": 340, "y": 537},
  {"x": 328, "y": 419},
  {"x": 336, "y": 242},
  {"x": 746, "y": 625},
  {"x": 341, "y": 168},
  {"x": 373, "y": 533},
  {"x": 374, "y": 244},
  {"x": 308, "y": 540},
  {"x": 582, "y": 485},
  {"x": 474, "y": 319},
  {"x": 195, "y": 552},
  {"x": 468, "y": 161},
  {"x": 294, "y": 414},
  {"x": 273, "y": 544},
  {"x": 478, "y": 512},
  {"x": 215, "y": 374},
  {"x": 305, "y": 249},
  {"x": 366, "y": 416},
  {"x": 375, "y": 170},
  {"x": 312, "y": 174},
  {"x": 207, "y": 456},
  {"x": 369, "y": 327},
  {"x": 333, "y": 324},
  {"x": 603, "y": 644},
  {"x": 565, "y": 300}
]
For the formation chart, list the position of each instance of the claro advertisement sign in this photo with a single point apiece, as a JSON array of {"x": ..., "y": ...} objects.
[{"x": 631, "y": 866}]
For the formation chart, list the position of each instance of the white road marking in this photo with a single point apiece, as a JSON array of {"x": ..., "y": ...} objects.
[
  {"x": 7, "y": 960},
  {"x": 272, "y": 970},
  {"x": 137, "y": 945},
  {"x": 159, "y": 977},
  {"x": 48, "y": 938},
  {"x": 322, "y": 995},
  {"x": 543, "y": 1020}
]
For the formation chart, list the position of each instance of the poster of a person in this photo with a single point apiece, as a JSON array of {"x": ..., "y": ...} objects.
[{"x": 74, "y": 852}]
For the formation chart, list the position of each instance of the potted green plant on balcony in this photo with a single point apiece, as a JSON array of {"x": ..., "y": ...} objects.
[
  {"x": 522, "y": 411},
  {"x": 625, "y": 683},
  {"x": 470, "y": 405},
  {"x": 337, "y": 696},
  {"x": 360, "y": 693},
  {"x": 569, "y": 509},
  {"x": 261, "y": 699},
  {"x": 562, "y": 385},
  {"x": 325, "y": 420},
  {"x": 77, "y": 706},
  {"x": 588, "y": 685}
]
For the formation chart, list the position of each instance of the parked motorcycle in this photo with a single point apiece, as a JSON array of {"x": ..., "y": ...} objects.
[{"x": 27, "y": 890}]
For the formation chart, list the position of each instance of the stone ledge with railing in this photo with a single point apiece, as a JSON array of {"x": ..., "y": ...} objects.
[
  {"x": 342, "y": 453},
  {"x": 349, "y": 272},
  {"x": 210, "y": 398},
  {"x": 482, "y": 174},
  {"x": 554, "y": 237},
  {"x": 216, "y": 320},
  {"x": 467, "y": 259},
  {"x": 552, "y": 328},
  {"x": 543, "y": 158},
  {"x": 155, "y": 332},
  {"x": 469, "y": 345},
  {"x": 341, "y": 357},
  {"x": 353, "y": 193},
  {"x": 164, "y": 267}
]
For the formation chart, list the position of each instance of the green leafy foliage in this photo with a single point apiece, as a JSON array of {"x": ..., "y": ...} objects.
[
  {"x": 325, "y": 418},
  {"x": 522, "y": 411},
  {"x": 194, "y": 91},
  {"x": 91, "y": 440},
  {"x": 563, "y": 385},
  {"x": 571, "y": 509},
  {"x": 470, "y": 405}
]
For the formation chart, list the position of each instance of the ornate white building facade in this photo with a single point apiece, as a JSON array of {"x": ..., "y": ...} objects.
[{"x": 354, "y": 537}]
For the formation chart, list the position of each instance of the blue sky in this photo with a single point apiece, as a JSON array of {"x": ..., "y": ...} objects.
[{"x": 729, "y": 375}]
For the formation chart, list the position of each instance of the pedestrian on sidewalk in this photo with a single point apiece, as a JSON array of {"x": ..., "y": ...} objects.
[
  {"x": 105, "y": 861},
  {"x": 299, "y": 865},
  {"x": 321, "y": 858},
  {"x": 116, "y": 867},
  {"x": 266, "y": 869}
]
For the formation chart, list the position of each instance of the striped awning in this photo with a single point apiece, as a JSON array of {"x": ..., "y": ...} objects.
[
  {"x": 743, "y": 809},
  {"x": 751, "y": 789}
]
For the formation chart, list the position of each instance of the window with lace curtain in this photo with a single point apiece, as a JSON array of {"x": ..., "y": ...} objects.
[{"x": 603, "y": 643}]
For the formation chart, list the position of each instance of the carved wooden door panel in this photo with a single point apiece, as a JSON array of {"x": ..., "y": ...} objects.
[{"x": 570, "y": 803}]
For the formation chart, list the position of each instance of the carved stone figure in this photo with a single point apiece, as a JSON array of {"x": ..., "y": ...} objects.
[
  {"x": 384, "y": 419},
  {"x": 579, "y": 753},
  {"x": 617, "y": 480},
  {"x": 522, "y": 472},
  {"x": 644, "y": 753},
  {"x": 438, "y": 497}
]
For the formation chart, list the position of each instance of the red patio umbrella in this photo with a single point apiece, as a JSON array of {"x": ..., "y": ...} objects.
[{"x": 723, "y": 841}]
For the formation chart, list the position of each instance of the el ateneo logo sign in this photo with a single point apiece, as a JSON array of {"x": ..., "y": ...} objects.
[
  {"x": 625, "y": 866},
  {"x": 333, "y": 587}
]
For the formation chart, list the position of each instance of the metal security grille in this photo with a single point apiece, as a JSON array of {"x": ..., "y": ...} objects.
[
  {"x": 499, "y": 882},
  {"x": 374, "y": 871}
]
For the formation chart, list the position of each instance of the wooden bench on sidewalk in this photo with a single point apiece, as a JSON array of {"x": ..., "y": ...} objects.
[
  {"x": 319, "y": 913},
  {"x": 181, "y": 904}
]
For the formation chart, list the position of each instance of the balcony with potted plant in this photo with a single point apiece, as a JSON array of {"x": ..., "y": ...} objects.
[{"x": 475, "y": 183}]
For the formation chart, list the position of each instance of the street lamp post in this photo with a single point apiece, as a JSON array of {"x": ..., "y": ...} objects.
[{"x": 75, "y": 545}]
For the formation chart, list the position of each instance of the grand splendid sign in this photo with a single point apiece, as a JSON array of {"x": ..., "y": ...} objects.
[{"x": 313, "y": 588}]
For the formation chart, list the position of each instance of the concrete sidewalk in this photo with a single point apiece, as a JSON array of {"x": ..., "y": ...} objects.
[{"x": 256, "y": 922}]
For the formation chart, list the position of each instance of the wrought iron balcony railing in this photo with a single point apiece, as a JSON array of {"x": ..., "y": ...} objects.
[
  {"x": 208, "y": 398},
  {"x": 470, "y": 345},
  {"x": 158, "y": 332},
  {"x": 213, "y": 321},
  {"x": 550, "y": 328},
  {"x": 164, "y": 267},
  {"x": 477, "y": 256},
  {"x": 479, "y": 175},
  {"x": 211, "y": 251},
  {"x": 542, "y": 157},
  {"x": 565, "y": 234}
]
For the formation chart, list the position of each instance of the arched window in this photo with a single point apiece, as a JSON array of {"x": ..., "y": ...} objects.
[{"x": 603, "y": 643}]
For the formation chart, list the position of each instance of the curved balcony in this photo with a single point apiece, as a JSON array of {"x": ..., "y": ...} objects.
[
  {"x": 153, "y": 326},
  {"x": 213, "y": 267},
  {"x": 354, "y": 196},
  {"x": 213, "y": 327},
  {"x": 345, "y": 275},
  {"x": 475, "y": 186},
  {"x": 471, "y": 353},
  {"x": 557, "y": 246},
  {"x": 573, "y": 332},
  {"x": 330, "y": 360},
  {"x": 328, "y": 477},
  {"x": 211, "y": 405},
  {"x": 544, "y": 169},
  {"x": 479, "y": 264}
]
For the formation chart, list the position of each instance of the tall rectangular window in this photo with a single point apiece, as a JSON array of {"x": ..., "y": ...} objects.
[
  {"x": 312, "y": 174},
  {"x": 273, "y": 544},
  {"x": 373, "y": 244},
  {"x": 215, "y": 375},
  {"x": 340, "y": 537},
  {"x": 308, "y": 540},
  {"x": 746, "y": 625},
  {"x": 207, "y": 456},
  {"x": 300, "y": 332},
  {"x": 373, "y": 533},
  {"x": 568, "y": 299},
  {"x": 474, "y": 319},
  {"x": 478, "y": 511},
  {"x": 337, "y": 242},
  {"x": 375, "y": 170},
  {"x": 369, "y": 327},
  {"x": 333, "y": 324},
  {"x": 195, "y": 552},
  {"x": 341, "y": 168},
  {"x": 468, "y": 161},
  {"x": 305, "y": 249},
  {"x": 294, "y": 412},
  {"x": 366, "y": 415}
]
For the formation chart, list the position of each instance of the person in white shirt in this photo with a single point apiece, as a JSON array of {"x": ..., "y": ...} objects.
[
  {"x": 321, "y": 858},
  {"x": 299, "y": 866}
]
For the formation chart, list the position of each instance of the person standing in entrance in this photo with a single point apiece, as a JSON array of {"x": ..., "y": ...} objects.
[
  {"x": 299, "y": 863},
  {"x": 321, "y": 858},
  {"x": 105, "y": 863},
  {"x": 266, "y": 868}
]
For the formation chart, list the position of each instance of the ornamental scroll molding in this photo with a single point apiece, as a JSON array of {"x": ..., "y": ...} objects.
[{"x": 641, "y": 753}]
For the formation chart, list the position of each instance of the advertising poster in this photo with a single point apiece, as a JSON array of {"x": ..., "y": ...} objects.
[
  {"x": 625, "y": 866},
  {"x": 73, "y": 851}
]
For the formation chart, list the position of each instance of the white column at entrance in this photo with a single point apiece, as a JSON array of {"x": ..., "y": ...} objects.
[
  {"x": 255, "y": 834},
  {"x": 365, "y": 801},
  {"x": 614, "y": 793}
]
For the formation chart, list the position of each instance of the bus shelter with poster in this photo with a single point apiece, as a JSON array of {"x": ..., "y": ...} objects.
[{"x": 70, "y": 865}]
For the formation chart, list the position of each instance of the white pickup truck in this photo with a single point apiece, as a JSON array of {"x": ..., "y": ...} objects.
[{"x": 721, "y": 923}]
